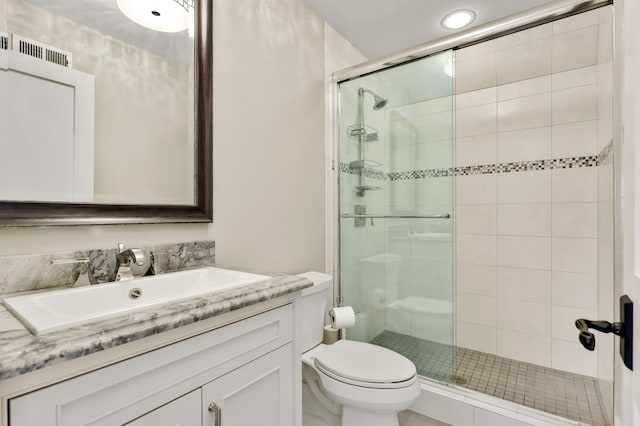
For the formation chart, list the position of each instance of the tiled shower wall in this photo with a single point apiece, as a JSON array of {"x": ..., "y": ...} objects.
[{"x": 538, "y": 103}]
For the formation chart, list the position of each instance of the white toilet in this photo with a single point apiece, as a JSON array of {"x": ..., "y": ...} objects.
[{"x": 371, "y": 383}]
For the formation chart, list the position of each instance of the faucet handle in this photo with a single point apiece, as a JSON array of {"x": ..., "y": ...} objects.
[
  {"x": 137, "y": 256},
  {"x": 125, "y": 255}
]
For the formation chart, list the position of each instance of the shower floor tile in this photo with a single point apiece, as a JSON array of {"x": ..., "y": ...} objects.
[{"x": 556, "y": 392}]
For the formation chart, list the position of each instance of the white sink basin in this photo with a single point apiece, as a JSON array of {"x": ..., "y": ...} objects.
[{"x": 51, "y": 311}]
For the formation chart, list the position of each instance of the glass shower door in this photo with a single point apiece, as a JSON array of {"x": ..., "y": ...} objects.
[{"x": 396, "y": 208}]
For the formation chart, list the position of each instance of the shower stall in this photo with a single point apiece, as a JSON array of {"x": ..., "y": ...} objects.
[{"x": 476, "y": 205}]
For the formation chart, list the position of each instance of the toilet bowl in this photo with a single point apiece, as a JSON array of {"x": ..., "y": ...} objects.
[{"x": 371, "y": 383}]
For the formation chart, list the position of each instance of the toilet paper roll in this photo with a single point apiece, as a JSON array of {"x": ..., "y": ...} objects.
[
  {"x": 342, "y": 317},
  {"x": 330, "y": 335}
]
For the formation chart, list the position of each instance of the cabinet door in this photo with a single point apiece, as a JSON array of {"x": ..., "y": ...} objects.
[
  {"x": 258, "y": 393},
  {"x": 184, "y": 411}
]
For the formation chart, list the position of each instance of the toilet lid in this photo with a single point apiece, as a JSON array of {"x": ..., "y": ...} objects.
[{"x": 365, "y": 363}]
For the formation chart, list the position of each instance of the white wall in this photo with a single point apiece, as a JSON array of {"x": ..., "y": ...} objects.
[
  {"x": 338, "y": 54},
  {"x": 269, "y": 135},
  {"x": 3, "y": 15},
  {"x": 268, "y": 148}
]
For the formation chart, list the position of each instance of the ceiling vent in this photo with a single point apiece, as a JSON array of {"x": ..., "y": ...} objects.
[{"x": 41, "y": 51}]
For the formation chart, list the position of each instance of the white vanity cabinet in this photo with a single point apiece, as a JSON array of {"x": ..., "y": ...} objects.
[{"x": 246, "y": 369}]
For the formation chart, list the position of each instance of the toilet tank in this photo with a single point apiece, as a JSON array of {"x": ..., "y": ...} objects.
[{"x": 312, "y": 309}]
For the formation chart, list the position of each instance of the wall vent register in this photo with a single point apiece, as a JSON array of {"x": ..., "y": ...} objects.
[{"x": 37, "y": 50}]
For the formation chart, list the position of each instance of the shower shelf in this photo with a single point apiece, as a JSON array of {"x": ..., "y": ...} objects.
[
  {"x": 362, "y": 188},
  {"x": 363, "y": 133},
  {"x": 363, "y": 164}
]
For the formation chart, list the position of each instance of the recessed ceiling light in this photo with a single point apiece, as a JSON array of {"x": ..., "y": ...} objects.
[
  {"x": 458, "y": 19},
  {"x": 159, "y": 15}
]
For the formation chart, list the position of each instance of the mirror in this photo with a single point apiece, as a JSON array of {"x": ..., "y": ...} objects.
[{"x": 105, "y": 111}]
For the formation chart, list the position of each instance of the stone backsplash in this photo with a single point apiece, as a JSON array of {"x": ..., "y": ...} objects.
[{"x": 79, "y": 267}]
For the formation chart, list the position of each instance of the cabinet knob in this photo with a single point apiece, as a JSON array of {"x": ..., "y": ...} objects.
[{"x": 217, "y": 413}]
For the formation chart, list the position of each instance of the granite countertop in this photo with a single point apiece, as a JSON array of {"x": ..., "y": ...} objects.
[{"x": 22, "y": 352}]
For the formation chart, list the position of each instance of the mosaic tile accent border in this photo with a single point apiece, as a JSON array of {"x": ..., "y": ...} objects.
[
  {"x": 526, "y": 166},
  {"x": 419, "y": 174},
  {"x": 346, "y": 168},
  {"x": 604, "y": 157}
]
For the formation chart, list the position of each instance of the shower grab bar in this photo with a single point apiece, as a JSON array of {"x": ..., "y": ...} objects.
[{"x": 395, "y": 216}]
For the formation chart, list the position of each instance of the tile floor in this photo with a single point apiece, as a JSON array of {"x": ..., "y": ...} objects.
[
  {"x": 409, "y": 418},
  {"x": 557, "y": 392}
]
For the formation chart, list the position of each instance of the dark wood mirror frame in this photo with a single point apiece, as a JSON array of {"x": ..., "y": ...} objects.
[{"x": 42, "y": 214}]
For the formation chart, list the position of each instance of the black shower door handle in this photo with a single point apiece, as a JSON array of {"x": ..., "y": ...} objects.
[
  {"x": 587, "y": 338},
  {"x": 624, "y": 329}
]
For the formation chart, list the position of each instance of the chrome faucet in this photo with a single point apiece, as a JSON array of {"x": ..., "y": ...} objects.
[{"x": 123, "y": 262}]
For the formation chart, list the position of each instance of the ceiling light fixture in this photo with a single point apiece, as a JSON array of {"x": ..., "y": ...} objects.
[
  {"x": 169, "y": 16},
  {"x": 458, "y": 19}
]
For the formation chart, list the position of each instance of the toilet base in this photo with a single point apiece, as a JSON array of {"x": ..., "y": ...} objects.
[{"x": 352, "y": 416}]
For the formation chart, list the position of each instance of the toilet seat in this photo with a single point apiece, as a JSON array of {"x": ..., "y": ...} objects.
[{"x": 365, "y": 365}]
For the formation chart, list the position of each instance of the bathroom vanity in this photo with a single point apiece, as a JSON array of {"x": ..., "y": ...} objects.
[{"x": 228, "y": 358}]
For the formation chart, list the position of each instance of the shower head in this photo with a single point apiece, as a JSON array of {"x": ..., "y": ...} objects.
[{"x": 379, "y": 101}]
